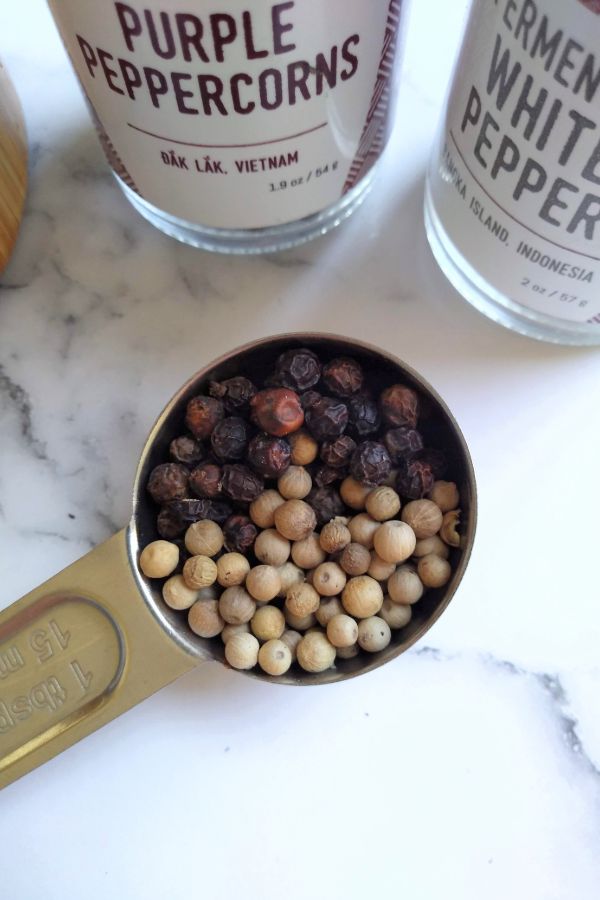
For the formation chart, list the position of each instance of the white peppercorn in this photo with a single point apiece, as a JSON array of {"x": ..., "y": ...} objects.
[
  {"x": 232, "y": 568},
  {"x": 159, "y": 558},
  {"x": 308, "y": 553},
  {"x": 204, "y": 618},
  {"x": 241, "y": 651},
  {"x": 335, "y": 535},
  {"x": 262, "y": 510},
  {"x": 355, "y": 559},
  {"x": 177, "y": 594},
  {"x": 445, "y": 495},
  {"x": 315, "y": 653},
  {"x": 229, "y": 631},
  {"x": 405, "y": 586},
  {"x": 374, "y": 634},
  {"x": 302, "y": 600},
  {"x": 353, "y": 493},
  {"x": 204, "y": 538},
  {"x": 383, "y": 503},
  {"x": 328, "y": 608},
  {"x": 292, "y": 639},
  {"x": 263, "y": 583},
  {"x": 434, "y": 571},
  {"x": 199, "y": 572},
  {"x": 397, "y": 615},
  {"x": 329, "y": 579},
  {"x": 289, "y": 574},
  {"x": 394, "y": 541},
  {"x": 295, "y": 519},
  {"x": 432, "y": 545},
  {"x": 342, "y": 631},
  {"x": 295, "y": 483},
  {"x": 348, "y": 652},
  {"x": 275, "y": 657},
  {"x": 423, "y": 516},
  {"x": 362, "y": 529},
  {"x": 449, "y": 531},
  {"x": 271, "y": 548},
  {"x": 379, "y": 569},
  {"x": 299, "y": 623},
  {"x": 304, "y": 448},
  {"x": 362, "y": 597},
  {"x": 268, "y": 623},
  {"x": 236, "y": 606}
]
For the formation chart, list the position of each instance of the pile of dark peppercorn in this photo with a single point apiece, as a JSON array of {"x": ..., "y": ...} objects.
[{"x": 237, "y": 443}]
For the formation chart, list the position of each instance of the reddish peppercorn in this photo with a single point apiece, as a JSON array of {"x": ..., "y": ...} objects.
[
  {"x": 327, "y": 419},
  {"x": 186, "y": 450},
  {"x": 202, "y": 414},
  {"x": 205, "y": 480},
  {"x": 326, "y": 503},
  {"x": 403, "y": 442},
  {"x": 240, "y": 534},
  {"x": 371, "y": 463},
  {"x": 363, "y": 416},
  {"x": 230, "y": 438},
  {"x": 240, "y": 483},
  {"x": 235, "y": 393},
  {"x": 343, "y": 376},
  {"x": 298, "y": 369},
  {"x": 268, "y": 455},
  {"x": 415, "y": 479},
  {"x": 337, "y": 453},
  {"x": 399, "y": 405},
  {"x": 168, "y": 481},
  {"x": 277, "y": 411}
]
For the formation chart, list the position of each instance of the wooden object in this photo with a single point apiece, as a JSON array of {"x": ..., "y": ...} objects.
[{"x": 13, "y": 166}]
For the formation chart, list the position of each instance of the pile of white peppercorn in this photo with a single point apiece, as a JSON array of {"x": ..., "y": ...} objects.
[{"x": 312, "y": 525}]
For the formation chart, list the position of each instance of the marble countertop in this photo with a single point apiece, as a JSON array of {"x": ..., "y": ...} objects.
[{"x": 469, "y": 767}]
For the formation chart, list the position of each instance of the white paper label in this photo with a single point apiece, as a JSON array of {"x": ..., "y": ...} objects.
[
  {"x": 517, "y": 181},
  {"x": 233, "y": 114}
]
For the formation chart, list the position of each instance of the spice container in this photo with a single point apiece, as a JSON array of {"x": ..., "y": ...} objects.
[
  {"x": 101, "y": 636},
  {"x": 513, "y": 199},
  {"x": 235, "y": 127}
]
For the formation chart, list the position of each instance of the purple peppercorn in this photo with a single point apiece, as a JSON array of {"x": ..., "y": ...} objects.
[
  {"x": 240, "y": 534},
  {"x": 326, "y": 503},
  {"x": 230, "y": 438},
  {"x": 268, "y": 455},
  {"x": 436, "y": 459},
  {"x": 186, "y": 450},
  {"x": 363, "y": 416},
  {"x": 298, "y": 369},
  {"x": 371, "y": 463},
  {"x": 415, "y": 479},
  {"x": 235, "y": 393},
  {"x": 175, "y": 517},
  {"x": 399, "y": 405},
  {"x": 205, "y": 480},
  {"x": 241, "y": 483},
  {"x": 328, "y": 475},
  {"x": 327, "y": 419},
  {"x": 169, "y": 481},
  {"x": 338, "y": 453},
  {"x": 403, "y": 442},
  {"x": 309, "y": 398},
  {"x": 343, "y": 376}
]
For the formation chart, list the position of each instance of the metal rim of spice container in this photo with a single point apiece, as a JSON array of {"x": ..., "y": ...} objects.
[{"x": 97, "y": 638}]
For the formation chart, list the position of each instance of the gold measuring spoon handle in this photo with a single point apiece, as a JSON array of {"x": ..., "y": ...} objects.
[{"x": 75, "y": 653}]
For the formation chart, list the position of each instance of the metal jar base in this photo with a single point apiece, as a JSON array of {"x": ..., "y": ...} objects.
[
  {"x": 492, "y": 303},
  {"x": 248, "y": 241}
]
